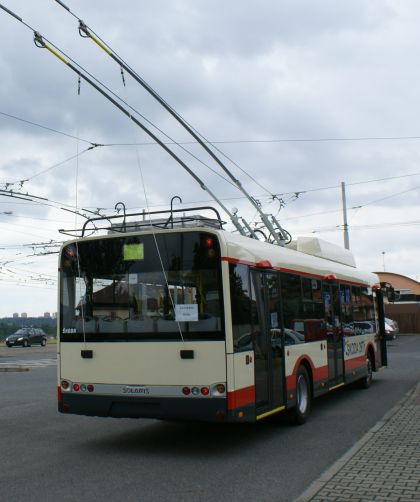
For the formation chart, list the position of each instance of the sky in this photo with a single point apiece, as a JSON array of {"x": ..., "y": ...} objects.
[{"x": 301, "y": 95}]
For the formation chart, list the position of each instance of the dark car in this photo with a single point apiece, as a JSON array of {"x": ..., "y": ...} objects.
[{"x": 27, "y": 337}]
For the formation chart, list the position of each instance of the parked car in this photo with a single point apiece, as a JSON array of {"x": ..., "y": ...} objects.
[
  {"x": 364, "y": 327},
  {"x": 391, "y": 329},
  {"x": 26, "y": 337}
]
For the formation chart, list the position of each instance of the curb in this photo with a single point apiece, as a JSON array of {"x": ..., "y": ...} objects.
[
  {"x": 329, "y": 473},
  {"x": 10, "y": 369}
]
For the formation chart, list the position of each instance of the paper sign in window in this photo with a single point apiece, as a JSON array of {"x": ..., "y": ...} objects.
[
  {"x": 186, "y": 312},
  {"x": 133, "y": 252}
]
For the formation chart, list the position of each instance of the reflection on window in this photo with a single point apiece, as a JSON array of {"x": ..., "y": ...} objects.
[
  {"x": 241, "y": 307},
  {"x": 109, "y": 290},
  {"x": 303, "y": 309}
]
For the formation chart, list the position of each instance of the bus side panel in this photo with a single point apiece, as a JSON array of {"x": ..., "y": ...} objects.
[
  {"x": 355, "y": 353},
  {"x": 241, "y": 389},
  {"x": 312, "y": 353}
]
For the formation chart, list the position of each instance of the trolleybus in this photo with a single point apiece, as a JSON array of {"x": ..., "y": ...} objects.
[{"x": 179, "y": 319}]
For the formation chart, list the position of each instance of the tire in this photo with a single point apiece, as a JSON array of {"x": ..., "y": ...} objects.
[
  {"x": 366, "y": 381},
  {"x": 303, "y": 396},
  {"x": 43, "y": 342},
  {"x": 25, "y": 343}
]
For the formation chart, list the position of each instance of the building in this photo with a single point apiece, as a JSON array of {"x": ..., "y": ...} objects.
[{"x": 406, "y": 307}]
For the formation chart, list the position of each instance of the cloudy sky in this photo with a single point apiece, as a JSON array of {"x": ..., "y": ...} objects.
[{"x": 301, "y": 95}]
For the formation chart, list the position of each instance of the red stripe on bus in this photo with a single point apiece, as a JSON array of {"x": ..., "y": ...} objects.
[
  {"x": 290, "y": 270},
  {"x": 320, "y": 373},
  {"x": 355, "y": 362},
  {"x": 241, "y": 397}
]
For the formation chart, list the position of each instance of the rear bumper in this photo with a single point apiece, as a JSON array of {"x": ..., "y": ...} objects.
[{"x": 209, "y": 410}]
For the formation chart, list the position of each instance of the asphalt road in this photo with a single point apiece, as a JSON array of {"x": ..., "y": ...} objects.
[{"x": 47, "y": 456}]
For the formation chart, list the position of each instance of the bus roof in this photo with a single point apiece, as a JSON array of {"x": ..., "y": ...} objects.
[{"x": 253, "y": 252}]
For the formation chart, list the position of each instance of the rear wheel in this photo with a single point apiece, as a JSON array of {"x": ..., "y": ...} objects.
[
  {"x": 43, "y": 342},
  {"x": 366, "y": 381},
  {"x": 303, "y": 396}
]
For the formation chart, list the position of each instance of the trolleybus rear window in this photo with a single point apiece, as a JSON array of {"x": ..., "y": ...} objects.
[{"x": 142, "y": 287}]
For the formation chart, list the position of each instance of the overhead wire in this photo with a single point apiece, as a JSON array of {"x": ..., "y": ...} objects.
[{"x": 215, "y": 142}]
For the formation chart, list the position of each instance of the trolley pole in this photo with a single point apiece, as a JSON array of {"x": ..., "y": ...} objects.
[{"x": 345, "y": 224}]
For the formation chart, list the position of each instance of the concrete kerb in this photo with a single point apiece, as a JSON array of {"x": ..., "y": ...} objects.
[
  {"x": 328, "y": 474},
  {"x": 9, "y": 369}
]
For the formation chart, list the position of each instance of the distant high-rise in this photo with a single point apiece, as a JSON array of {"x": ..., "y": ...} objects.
[
  {"x": 24, "y": 315},
  {"x": 15, "y": 315},
  {"x": 47, "y": 315}
]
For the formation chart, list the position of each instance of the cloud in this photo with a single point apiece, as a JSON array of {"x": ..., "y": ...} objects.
[{"x": 240, "y": 73}]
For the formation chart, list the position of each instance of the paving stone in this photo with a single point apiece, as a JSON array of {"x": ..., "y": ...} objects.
[{"x": 387, "y": 466}]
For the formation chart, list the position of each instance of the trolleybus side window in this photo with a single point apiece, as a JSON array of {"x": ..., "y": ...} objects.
[
  {"x": 293, "y": 322},
  {"x": 346, "y": 310},
  {"x": 303, "y": 309},
  {"x": 363, "y": 310},
  {"x": 240, "y": 306}
]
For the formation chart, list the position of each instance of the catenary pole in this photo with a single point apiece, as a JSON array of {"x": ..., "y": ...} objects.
[{"x": 345, "y": 224}]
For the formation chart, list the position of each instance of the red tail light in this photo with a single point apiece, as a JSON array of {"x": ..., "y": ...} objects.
[
  {"x": 76, "y": 387},
  {"x": 205, "y": 391},
  {"x": 186, "y": 391},
  {"x": 59, "y": 394}
]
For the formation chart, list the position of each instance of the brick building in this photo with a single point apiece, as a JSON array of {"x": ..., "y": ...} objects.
[{"x": 406, "y": 308}]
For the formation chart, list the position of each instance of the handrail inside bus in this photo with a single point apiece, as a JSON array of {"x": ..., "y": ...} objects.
[{"x": 168, "y": 223}]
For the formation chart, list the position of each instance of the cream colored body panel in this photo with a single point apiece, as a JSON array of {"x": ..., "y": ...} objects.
[
  {"x": 244, "y": 374},
  {"x": 311, "y": 350},
  {"x": 144, "y": 363}
]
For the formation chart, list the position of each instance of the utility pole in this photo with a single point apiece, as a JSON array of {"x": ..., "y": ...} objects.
[{"x": 345, "y": 225}]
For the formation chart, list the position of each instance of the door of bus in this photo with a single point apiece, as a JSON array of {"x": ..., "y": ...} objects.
[
  {"x": 334, "y": 335},
  {"x": 379, "y": 297},
  {"x": 267, "y": 341}
]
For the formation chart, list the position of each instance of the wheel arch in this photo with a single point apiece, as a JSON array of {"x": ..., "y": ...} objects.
[
  {"x": 370, "y": 353},
  {"x": 307, "y": 365}
]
